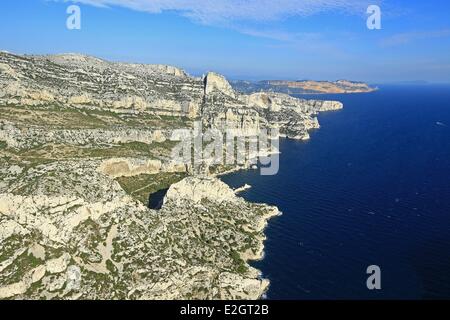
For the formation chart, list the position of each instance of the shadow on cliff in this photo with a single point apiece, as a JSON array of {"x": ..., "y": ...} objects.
[{"x": 155, "y": 200}]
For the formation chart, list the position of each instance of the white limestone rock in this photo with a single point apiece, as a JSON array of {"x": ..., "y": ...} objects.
[
  {"x": 58, "y": 265},
  {"x": 216, "y": 82},
  {"x": 196, "y": 189}
]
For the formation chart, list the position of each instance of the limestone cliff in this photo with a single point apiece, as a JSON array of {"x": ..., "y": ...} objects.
[
  {"x": 83, "y": 144},
  {"x": 93, "y": 84}
]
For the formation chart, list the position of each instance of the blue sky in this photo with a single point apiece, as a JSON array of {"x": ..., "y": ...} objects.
[{"x": 254, "y": 39}]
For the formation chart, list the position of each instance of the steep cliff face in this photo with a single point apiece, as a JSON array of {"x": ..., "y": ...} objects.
[
  {"x": 90, "y": 83},
  {"x": 196, "y": 189},
  {"x": 294, "y": 117},
  {"x": 83, "y": 142},
  {"x": 225, "y": 108},
  {"x": 216, "y": 82}
]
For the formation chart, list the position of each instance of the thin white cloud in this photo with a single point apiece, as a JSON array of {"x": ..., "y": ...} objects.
[
  {"x": 280, "y": 35},
  {"x": 228, "y": 11},
  {"x": 256, "y": 18},
  {"x": 408, "y": 37}
]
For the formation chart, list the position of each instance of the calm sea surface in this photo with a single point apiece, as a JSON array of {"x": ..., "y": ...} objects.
[{"x": 372, "y": 186}]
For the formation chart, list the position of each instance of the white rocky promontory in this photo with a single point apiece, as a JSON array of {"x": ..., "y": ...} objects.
[
  {"x": 197, "y": 189},
  {"x": 214, "y": 81}
]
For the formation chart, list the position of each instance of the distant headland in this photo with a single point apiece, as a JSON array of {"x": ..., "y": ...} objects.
[{"x": 302, "y": 86}]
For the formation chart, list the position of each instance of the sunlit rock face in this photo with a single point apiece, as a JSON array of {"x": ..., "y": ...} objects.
[
  {"x": 196, "y": 189},
  {"x": 216, "y": 82}
]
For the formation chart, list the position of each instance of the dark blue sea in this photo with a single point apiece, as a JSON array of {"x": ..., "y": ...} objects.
[{"x": 371, "y": 187}]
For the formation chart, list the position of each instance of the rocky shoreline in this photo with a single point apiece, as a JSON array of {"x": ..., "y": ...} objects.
[{"x": 84, "y": 142}]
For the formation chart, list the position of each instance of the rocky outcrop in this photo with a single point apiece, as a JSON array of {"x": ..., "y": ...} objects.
[
  {"x": 245, "y": 187},
  {"x": 196, "y": 189},
  {"x": 216, "y": 82}
]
